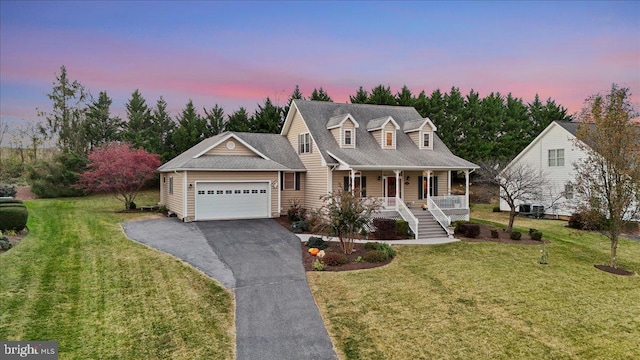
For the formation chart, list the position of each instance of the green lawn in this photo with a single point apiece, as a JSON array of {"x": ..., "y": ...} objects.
[
  {"x": 77, "y": 279},
  {"x": 488, "y": 300}
]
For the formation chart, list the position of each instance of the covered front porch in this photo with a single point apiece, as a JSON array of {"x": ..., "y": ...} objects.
[{"x": 411, "y": 190}]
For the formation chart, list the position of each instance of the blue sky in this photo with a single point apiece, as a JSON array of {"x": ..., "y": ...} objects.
[{"x": 238, "y": 53}]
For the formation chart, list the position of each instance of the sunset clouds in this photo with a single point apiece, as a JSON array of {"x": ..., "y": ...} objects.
[{"x": 237, "y": 54}]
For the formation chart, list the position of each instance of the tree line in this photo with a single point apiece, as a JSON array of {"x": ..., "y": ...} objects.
[{"x": 473, "y": 127}]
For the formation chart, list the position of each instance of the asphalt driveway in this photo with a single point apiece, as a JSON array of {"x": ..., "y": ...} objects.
[{"x": 276, "y": 316}]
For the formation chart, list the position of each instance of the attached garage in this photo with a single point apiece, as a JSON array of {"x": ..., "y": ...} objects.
[{"x": 216, "y": 200}]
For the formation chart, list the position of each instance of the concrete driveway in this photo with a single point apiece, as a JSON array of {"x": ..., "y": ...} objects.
[{"x": 276, "y": 316}]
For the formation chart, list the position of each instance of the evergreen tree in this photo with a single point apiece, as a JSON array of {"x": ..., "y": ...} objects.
[
  {"x": 162, "y": 127},
  {"x": 320, "y": 95},
  {"x": 100, "y": 126},
  {"x": 215, "y": 120},
  {"x": 421, "y": 104},
  {"x": 139, "y": 121},
  {"x": 381, "y": 95},
  {"x": 239, "y": 121},
  {"x": 404, "y": 97},
  {"x": 361, "y": 96},
  {"x": 471, "y": 140},
  {"x": 267, "y": 118},
  {"x": 514, "y": 130},
  {"x": 66, "y": 121},
  {"x": 296, "y": 94},
  {"x": 451, "y": 125},
  {"x": 191, "y": 129}
]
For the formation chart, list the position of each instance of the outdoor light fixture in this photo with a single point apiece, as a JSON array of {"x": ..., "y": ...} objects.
[
  {"x": 190, "y": 186},
  {"x": 379, "y": 178},
  {"x": 408, "y": 178}
]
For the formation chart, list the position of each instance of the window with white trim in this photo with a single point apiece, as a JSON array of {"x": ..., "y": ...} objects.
[
  {"x": 347, "y": 138},
  {"x": 426, "y": 140},
  {"x": 304, "y": 143},
  {"x": 556, "y": 157},
  {"x": 390, "y": 139},
  {"x": 171, "y": 185}
]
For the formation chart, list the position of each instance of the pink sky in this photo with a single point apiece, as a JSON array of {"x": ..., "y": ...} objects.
[{"x": 237, "y": 54}]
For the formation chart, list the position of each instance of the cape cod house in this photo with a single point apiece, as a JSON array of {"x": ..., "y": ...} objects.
[{"x": 387, "y": 152}]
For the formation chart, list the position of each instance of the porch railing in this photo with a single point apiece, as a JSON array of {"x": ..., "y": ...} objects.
[
  {"x": 408, "y": 216},
  {"x": 450, "y": 202},
  {"x": 440, "y": 217},
  {"x": 389, "y": 203}
]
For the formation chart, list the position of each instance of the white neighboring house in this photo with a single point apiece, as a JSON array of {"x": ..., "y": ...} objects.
[{"x": 553, "y": 153}]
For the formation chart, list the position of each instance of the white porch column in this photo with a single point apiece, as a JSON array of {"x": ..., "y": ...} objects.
[
  {"x": 466, "y": 192},
  {"x": 353, "y": 181},
  {"x": 449, "y": 183},
  {"x": 397, "y": 172},
  {"x": 428, "y": 186}
]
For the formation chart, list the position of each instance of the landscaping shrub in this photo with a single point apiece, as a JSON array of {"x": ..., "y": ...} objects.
[
  {"x": 7, "y": 190},
  {"x": 316, "y": 242},
  {"x": 588, "y": 220},
  {"x": 536, "y": 235},
  {"x": 55, "y": 178},
  {"x": 385, "y": 228},
  {"x": 531, "y": 231},
  {"x": 296, "y": 212},
  {"x": 496, "y": 209},
  {"x": 467, "y": 229},
  {"x": 300, "y": 226},
  {"x": 132, "y": 206},
  {"x": 10, "y": 201},
  {"x": 375, "y": 256},
  {"x": 317, "y": 265},
  {"x": 515, "y": 235},
  {"x": 495, "y": 234},
  {"x": 384, "y": 247},
  {"x": 334, "y": 259},
  {"x": 13, "y": 217},
  {"x": 402, "y": 228}
]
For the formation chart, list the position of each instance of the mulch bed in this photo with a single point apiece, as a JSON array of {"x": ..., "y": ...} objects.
[
  {"x": 503, "y": 237},
  {"x": 612, "y": 270},
  {"x": 308, "y": 259}
]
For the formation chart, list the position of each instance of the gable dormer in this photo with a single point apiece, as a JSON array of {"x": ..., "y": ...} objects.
[
  {"x": 384, "y": 131},
  {"x": 421, "y": 132},
  {"x": 343, "y": 128}
]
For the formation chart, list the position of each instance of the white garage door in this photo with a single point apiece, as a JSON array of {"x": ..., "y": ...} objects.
[{"x": 232, "y": 200}]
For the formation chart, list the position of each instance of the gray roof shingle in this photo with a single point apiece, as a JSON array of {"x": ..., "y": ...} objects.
[
  {"x": 278, "y": 150},
  {"x": 368, "y": 152}
]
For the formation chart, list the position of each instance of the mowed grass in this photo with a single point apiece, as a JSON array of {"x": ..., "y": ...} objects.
[
  {"x": 78, "y": 280},
  {"x": 488, "y": 300}
]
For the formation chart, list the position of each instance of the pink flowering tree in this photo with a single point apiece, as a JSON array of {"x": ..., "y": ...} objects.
[{"x": 119, "y": 169}]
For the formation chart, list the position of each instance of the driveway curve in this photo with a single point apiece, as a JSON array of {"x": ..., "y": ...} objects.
[{"x": 276, "y": 315}]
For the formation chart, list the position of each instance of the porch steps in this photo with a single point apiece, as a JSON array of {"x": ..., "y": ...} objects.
[{"x": 428, "y": 227}]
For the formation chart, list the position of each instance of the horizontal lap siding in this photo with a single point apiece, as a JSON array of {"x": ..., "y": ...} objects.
[
  {"x": 231, "y": 176},
  {"x": 239, "y": 149},
  {"x": 288, "y": 196},
  {"x": 175, "y": 201},
  {"x": 316, "y": 175}
]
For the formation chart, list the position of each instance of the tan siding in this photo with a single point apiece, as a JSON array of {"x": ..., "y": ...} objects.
[
  {"x": 287, "y": 196},
  {"x": 336, "y": 134},
  {"x": 377, "y": 134},
  {"x": 415, "y": 136},
  {"x": 411, "y": 190},
  {"x": 316, "y": 176},
  {"x": 239, "y": 149},
  {"x": 442, "y": 182},
  {"x": 164, "y": 188},
  {"x": 194, "y": 176},
  {"x": 374, "y": 186},
  {"x": 175, "y": 201}
]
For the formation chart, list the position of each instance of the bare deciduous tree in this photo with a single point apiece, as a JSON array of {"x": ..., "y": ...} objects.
[
  {"x": 608, "y": 179},
  {"x": 517, "y": 183}
]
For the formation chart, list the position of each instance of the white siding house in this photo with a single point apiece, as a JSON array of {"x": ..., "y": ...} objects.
[{"x": 553, "y": 154}]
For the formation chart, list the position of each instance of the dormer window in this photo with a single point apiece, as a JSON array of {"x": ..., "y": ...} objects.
[
  {"x": 426, "y": 140},
  {"x": 348, "y": 137},
  {"x": 390, "y": 139}
]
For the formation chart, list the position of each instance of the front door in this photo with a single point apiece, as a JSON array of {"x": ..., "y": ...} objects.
[{"x": 390, "y": 186}]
